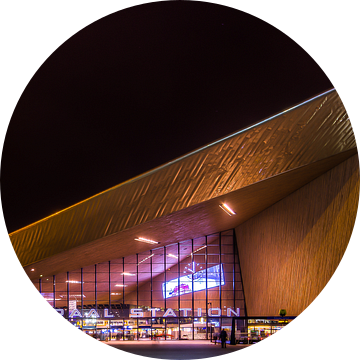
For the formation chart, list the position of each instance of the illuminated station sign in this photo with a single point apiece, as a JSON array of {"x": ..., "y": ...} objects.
[
  {"x": 214, "y": 312},
  {"x": 139, "y": 313}
]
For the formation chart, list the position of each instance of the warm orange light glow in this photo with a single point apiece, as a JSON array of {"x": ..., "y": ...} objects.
[{"x": 227, "y": 209}]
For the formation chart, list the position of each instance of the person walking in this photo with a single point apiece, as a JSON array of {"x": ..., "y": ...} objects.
[{"x": 223, "y": 337}]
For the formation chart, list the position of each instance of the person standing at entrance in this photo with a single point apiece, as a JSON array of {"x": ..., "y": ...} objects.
[{"x": 223, "y": 337}]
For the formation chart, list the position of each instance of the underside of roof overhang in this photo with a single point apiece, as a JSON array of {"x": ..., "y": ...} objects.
[{"x": 192, "y": 222}]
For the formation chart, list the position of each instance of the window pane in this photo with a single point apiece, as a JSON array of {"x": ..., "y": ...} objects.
[
  {"x": 226, "y": 240},
  {"x": 144, "y": 267},
  {"x": 131, "y": 259},
  {"x": 213, "y": 249},
  {"x": 116, "y": 266},
  {"x": 102, "y": 267},
  {"x": 102, "y": 297},
  {"x": 130, "y": 268},
  {"x": 213, "y": 259},
  {"x": 172, "y": 254},
  {"x": 186, "y": 247},
  {"x": 89, "y": 269},
  {"x": 102, "y": 277},
  {"x": 158, "y": 277},
  {"x": 213, "y": 239},
  {"x": 158, "y": 257},
  {"x": 158, "y": 300},
  {"x": 227, "y": 249}
]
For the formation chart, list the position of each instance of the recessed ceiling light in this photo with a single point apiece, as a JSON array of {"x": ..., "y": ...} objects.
[
  {"x": 120, "y": 285},
  {"x": 32, "y": 270},
  {"x": 146, "y": 240},
  {"x": 227, "y": 209},
  {"x": 128, "y": 274}
]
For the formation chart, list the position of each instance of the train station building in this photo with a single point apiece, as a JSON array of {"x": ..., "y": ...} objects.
[{"x": 220, "y": 238}]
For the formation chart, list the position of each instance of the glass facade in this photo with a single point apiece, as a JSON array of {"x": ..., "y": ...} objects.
[{"x": 186, "y": 290}]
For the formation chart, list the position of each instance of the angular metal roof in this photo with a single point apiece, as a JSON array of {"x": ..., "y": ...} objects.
[{"x": 307, "y": 133}]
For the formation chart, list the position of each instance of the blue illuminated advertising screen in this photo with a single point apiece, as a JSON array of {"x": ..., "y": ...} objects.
[{"x": 184, "y": 284}]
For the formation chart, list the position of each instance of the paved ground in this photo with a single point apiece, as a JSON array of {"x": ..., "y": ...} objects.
[{"x": 196, "y": 349}]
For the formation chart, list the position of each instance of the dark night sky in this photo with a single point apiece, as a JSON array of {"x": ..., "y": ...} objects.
[{"x": 137, "y": 89}]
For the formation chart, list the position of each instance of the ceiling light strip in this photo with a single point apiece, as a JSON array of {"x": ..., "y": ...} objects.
[
  {"x": 128, "y": 274},
  {"x": 227, "y": 209},
  {"x": 146, "y": 240},
  {"x": 231, "y": 211}
]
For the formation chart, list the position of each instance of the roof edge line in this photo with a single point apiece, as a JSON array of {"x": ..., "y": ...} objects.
[
  {"x": 213, "y": 143},
  {"x": 220, "y": 140},
  {"x": 147, "y": 173}
]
